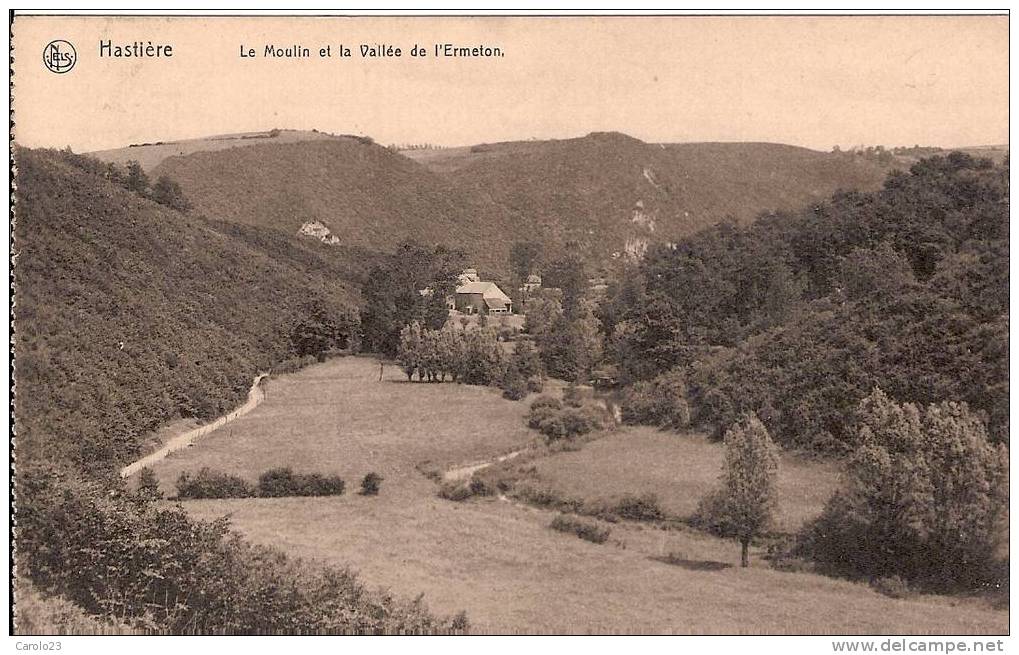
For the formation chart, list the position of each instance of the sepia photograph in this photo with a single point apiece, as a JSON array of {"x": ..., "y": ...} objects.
[{"x": 509, "y": 323}]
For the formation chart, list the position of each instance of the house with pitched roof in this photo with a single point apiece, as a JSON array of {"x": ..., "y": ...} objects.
[{"x": 474, "y": 296}]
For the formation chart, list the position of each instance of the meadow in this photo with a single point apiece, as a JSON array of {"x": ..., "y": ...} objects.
[
  {"x": 498, "y": 559},
  {"x": 679, "y": 469}
]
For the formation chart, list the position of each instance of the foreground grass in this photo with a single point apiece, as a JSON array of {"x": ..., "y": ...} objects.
[{"x": 499, "y": 560}]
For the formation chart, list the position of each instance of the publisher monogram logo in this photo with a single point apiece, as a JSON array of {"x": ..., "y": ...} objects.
[{"x": 59, "y": 56}]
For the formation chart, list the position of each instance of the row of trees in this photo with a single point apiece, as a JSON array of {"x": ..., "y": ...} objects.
[{"x": 467, "y": 356}]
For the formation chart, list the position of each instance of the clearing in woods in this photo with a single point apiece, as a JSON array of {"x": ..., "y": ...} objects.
[{"x": 499, "y": 561}]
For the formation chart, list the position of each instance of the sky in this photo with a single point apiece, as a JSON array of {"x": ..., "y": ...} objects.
[{"x": 809, "y": 81}]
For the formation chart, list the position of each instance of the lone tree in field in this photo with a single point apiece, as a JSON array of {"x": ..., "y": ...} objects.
[{"x": 744, "y": 507}]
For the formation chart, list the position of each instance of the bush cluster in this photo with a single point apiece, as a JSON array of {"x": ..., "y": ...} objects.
[
  {"x": 631, "y": 507},
  {"x": 924, "y": 499},
  {"x": 643, "y": 507},
  {"x": 456, "y": 491},
  {"x": 213, "y": 484},
  {"x": 274, "y": 483},
  {"x": 280, "y": 482},
  {"x": 586, "y": 530},
  {"x": 660, "y": 402},
  {"x": 515, "y": 388},
  {"x": 162, "y": 571},
  {"x": 371, "y": 483},
  {"x": 558, "y": 421}
]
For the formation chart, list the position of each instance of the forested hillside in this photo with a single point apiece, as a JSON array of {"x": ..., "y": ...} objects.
[
  {"x": 799, "y": 316},
  {"x": 616, "y": 195},
  {"x": 130, "y": 314}
]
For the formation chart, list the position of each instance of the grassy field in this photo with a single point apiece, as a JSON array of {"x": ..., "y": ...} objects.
[
  {"x": 338, "y": 417},
  {"x": 680, "y": 470},
  {"x": 499, "y": 560}
]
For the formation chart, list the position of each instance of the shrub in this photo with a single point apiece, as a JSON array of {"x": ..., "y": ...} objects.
[
  {"x": 660, "y": 402},
  {"x": 456, "y": 491},
  {"x": 280, "y": 482},
  {"x": 711, "y": 515},
  {"x": 644, "y": 507},
  {"x": 552, "y": 426},
  {"x": 515, "y": 388},
  {"x": 535, "y": 494},
  {"x": 546, "y": 401},
  {"x": 148, "y": 486},
  {"x": 924, "y": 498},
  {"x": 572, "y": 422},
  {"x": 481, "y": 487},
  {"x": 535, "y": 385},
  {"x": 556, "y": 421},
  {"x": 586, "y": 530},
  {"x": 582, "y": 420},
  {"x": 370, "y": 484},
  {"x": 212, "y": 484}
]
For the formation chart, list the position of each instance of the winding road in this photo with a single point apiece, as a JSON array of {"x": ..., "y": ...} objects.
[{"x": 255, "y": 396}]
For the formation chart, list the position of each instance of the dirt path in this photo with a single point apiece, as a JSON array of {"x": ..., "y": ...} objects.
[
  {"x": 464, "y": 472},
  {"x": 255, "y": 396}
]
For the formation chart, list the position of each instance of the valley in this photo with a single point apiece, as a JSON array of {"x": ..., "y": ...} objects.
[
  {"x": 498, "y": 560},
  {"x": 141, "y": 322}
]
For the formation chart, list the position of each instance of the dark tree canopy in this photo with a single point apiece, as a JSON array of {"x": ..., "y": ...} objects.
[
  {"x": 393, "y": 295},
  {"x": 525, "y": 258}
]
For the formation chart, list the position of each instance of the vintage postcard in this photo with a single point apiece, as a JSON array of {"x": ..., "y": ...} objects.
[{"x": 488, "y": 324}]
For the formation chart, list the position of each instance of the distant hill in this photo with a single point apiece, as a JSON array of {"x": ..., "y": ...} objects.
[
  {"x": 996, "y": 153},
  {"x": 615, "y": 193},
  {"x": 610, "y": 193},
  {"x": 150, "y": 155},
  {"x": 130, "y": 314},
  {"x": 364, "y": 194},
  {"x": 909, "y": 156}
]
